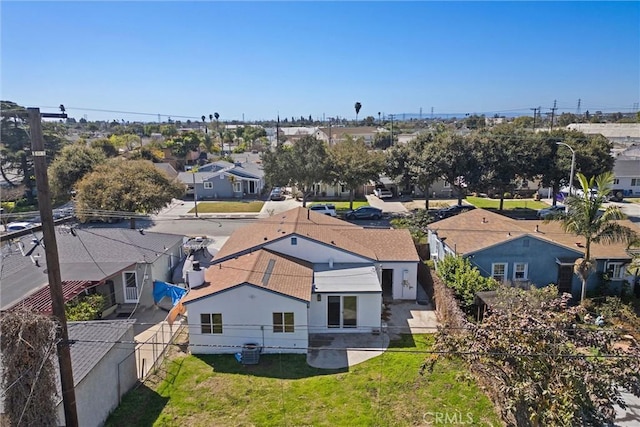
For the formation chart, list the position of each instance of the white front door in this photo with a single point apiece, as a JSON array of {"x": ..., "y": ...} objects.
[{"x": 130, "y": 284}]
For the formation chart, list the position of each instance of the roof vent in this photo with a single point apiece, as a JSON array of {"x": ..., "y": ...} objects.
[
  {"x": 537, "y": 229},
  {"x": 484, "y": 220}
]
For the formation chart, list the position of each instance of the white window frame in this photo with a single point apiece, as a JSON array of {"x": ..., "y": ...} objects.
[
  {"x": 619, "y": 271},
  {"x": 211, "y": 327},
  {"x": 125, "y": 287},
  {"x": 635, "y": 182},
  {"x": 237, "y": 186},
  {"x": 208, "y": 185},
  {"x": 516, "y": 270},
  {"x": 504, "y": 274},
  {"x": 281, "y": 325},
  {"x": 616, "y": 181}
]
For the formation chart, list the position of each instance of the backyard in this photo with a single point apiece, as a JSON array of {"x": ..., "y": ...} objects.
[{"x": 283, "y": 390}]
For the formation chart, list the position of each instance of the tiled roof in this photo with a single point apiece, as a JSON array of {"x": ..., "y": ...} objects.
[
  {"x": 374, "y": 244},
  {"x": 479, "y": 229},
  {"x": 388, "y": 245},
  {"x": 40, "y": 300},
  {"x": 263, "y": 269}
]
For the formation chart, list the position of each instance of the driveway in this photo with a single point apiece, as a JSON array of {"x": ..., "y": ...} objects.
[
  {"x": 387, "y": 205},
  {"x": 272, "y": 207}
]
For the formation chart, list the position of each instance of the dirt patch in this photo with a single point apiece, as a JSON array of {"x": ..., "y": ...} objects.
[{"x": 433, "y": 204}]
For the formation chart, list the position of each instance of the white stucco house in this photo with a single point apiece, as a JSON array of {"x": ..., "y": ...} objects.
[{"x": 297, "y": 273}]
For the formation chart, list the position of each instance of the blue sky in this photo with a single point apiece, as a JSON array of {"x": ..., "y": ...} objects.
[{"x": 300, "y": 58}]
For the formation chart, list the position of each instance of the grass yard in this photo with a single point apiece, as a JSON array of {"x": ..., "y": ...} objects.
[
  {"x": 284, "y": 390},
  {"x": 509, "y": 204},
  {"x": 228, "y": 207}
]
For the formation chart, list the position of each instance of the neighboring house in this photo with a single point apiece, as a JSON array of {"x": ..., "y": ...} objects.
[
  {"x": 614, "y": 132},
  {"x": 119, "y": 263},
  {"x": 167, "y": 169},
  {"x": 335, "y": 134},
  {"x": 299, "y": 272},
  {"x": 104, "y": 368},
  {"x": 224, "y": 180},
  {"x": 627, "y": 175},
  {"x": 294, "y": 133},
  {"x": 525, "y": 252}
]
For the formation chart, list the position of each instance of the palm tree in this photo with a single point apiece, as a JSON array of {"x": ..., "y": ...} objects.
[
  {"x": 358, "y": 107},
  {"x": 584, "y": 218}
]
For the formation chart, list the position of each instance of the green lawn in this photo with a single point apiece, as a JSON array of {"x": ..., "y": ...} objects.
[
  {"x": 343, "y": 206},
  {"x": 509, "y": 204},
  {"x": 227, "y": 207},
  {"x": 284, "y": 390}
]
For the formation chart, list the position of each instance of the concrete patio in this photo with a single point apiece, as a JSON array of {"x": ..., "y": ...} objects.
[{"x": 342, "y": 350}]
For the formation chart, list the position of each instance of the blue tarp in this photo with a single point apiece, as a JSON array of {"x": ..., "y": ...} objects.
[{"x": 163, "y": 289}]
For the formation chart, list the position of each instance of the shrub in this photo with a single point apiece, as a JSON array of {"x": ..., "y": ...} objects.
[
  {"x": 508, "y": 195},
  {"x": 464, "y": 279},
  {"x": 85, "y": 308}
]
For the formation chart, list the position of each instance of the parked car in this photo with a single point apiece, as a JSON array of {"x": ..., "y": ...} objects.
[
  {"x": 19, "y": 226},
  {"x": 327, "y": 209},
  {"x": 550, "y": 211},
  {"x": 453, "y": 210},
  {"x": 364, "y": 212},
  {"x": 277, "y": 194},
  {"x": 383, "y": 193}
]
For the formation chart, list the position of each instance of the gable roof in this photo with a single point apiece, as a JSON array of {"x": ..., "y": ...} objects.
[
  {"x": 480, "y": 229},
  {"x": 167, "y": 169},
  {"x": 374, "y": 244},
  {"x": 93, "y": 254},
  {"x": 263, "y": 269},
  {"x": 626, "y": 168}
]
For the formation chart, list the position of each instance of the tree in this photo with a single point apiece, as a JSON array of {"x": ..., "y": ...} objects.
[
  {"x": 125, "y": 185},
  {"x": 585, "y": 219},
  {"x": 544, "y": 366},
  {"x": 475, "y": 121},
  {"x": 454, "y": 156},
  {"x": 126, "y": 141},
  {"x": 276, "y": 166},
  {"x": 105, "y": 145},
  {"x": 73, "y": 162},
  {"x": 353, "y": 165},
  {"x": 464, "y": 279},
  {"x": 504, "y": 153},
  {"x": 358, "y": 106}
]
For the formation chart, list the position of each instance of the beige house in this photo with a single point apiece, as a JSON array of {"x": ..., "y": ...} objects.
[{"x": 333, "y": 134}]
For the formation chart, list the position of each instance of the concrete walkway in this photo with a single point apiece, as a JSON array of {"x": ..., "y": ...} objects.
[
  {"x": 341, "y": 350},
  {"x": 409, "y": 317}
]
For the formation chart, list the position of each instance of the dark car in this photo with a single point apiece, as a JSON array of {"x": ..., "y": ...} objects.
[
  {"x": 364, "y": 212},
  {"x": 277, "y": 194},
  {"x": 453, "y": 210}
]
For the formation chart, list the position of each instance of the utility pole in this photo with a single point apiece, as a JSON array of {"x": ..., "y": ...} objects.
[
  {"x": 553, "y": 114},
  {"x": 53, "y": 262},
  {"x": 391, "y": 142},
  {"x": 278, "y": 131},
  {"x": 535, "y": 112},
  {"x": 578, "y": 110}
]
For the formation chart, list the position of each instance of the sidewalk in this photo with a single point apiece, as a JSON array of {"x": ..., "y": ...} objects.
[{"x": 179, "y": 209}]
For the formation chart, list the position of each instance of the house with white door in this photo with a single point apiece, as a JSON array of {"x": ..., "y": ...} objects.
[
  {"x": 278, "y": 280},
  {"x": 119, "y": 263}
]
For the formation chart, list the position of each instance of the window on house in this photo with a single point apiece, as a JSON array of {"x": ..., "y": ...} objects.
[
  {"x": 237, "y": 187},
  {"x": 446, "y": 185},
  {"x": 211, "y": 323},
  {"x": 294, "y": 241},
  {"x": 520, "y": 271},
  {"x": 343, "y": 188},
  {"x": 615, "y": 270},
  {"x": 635, "y": 182},
  {"x": 282, "y": 322},
  {"x": 499, "y": 271},
  {"x": 208, "y": 185},
  {"x": 616, "y": 181}
]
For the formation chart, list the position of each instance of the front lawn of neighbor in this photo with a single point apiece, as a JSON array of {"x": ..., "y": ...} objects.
[
  {"x": 509, "y": 204},
  {"x": 228, "y": 207},
  {"x": 283, "y": 390}
]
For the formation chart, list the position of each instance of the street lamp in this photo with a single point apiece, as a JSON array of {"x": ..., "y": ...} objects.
[{"x": 573, "y": 164}]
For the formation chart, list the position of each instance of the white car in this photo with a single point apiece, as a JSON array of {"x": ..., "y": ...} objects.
[
  {"x": 557, "y": 210},
  {"x": 383, "y": 193},
  {"x": 19, "y": 226},
  {"x": 327, "y": 209}
]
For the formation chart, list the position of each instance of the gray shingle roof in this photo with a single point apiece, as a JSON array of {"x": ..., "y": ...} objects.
[
  {"x": 86, "y": 355},
  {"x": 93, "y": 254}
]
